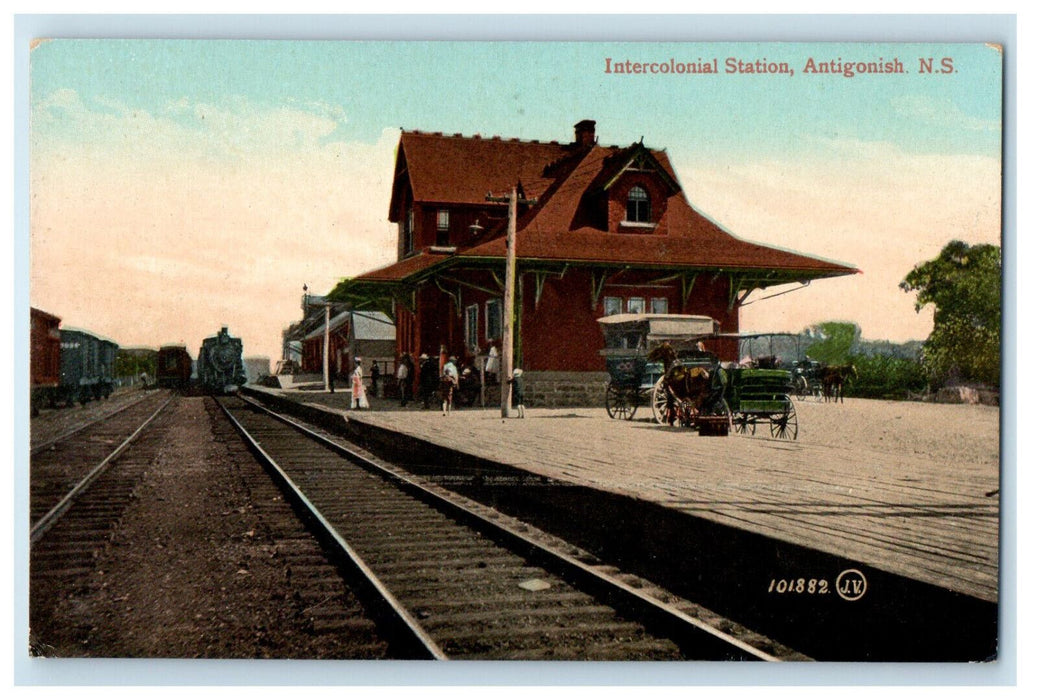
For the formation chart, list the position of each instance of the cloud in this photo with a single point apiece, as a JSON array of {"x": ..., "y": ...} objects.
[
  {"x": 933, "y": 111},
  {"x": 156, "y": 218},
  {"x": 869, "y": 204}
]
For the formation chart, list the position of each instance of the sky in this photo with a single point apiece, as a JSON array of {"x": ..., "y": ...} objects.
[{"x": 178, "y": 186}]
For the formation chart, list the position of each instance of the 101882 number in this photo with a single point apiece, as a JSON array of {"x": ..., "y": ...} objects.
[{"x": 806, "y": 586}]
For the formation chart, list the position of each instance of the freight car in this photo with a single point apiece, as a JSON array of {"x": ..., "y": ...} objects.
[
  {"x": 173, "y": 367},
  {"x": 44, "y": 359},
  {"x": 220, "y": 366},
  {"x": 87, "y": 364}
]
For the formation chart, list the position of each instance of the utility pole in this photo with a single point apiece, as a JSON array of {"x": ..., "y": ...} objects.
[
  {"x": 327, "y": 333},
  {"x": 507, "y": 350},
  {"x": 327, "y": 345}
]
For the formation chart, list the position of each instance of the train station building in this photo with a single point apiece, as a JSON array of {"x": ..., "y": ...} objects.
[{"x": 600, "y": 230}]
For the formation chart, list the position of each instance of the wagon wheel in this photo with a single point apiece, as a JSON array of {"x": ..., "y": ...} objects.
[
  {"x": 802, "y": 387},
  {"x": 784, "y": 425},
  {"x": 744, "y": 424},
  {"x": 718, "y": 410},
  {"x": 617, "y": 404},
  {"x": 816, "y": 390},
  {"x": 658, "y": 402},
  {"x": 724, "y": 410},
  {"x": 632, "y": 398}
]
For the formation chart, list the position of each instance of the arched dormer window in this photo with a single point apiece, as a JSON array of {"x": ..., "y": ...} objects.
[{"x": 638, "y": 205}]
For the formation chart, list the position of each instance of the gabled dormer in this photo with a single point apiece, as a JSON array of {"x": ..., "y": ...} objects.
[{"x": 632, "y": 191}]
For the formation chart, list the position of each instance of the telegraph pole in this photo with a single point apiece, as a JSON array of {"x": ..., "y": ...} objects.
[
  {"x": 327, "y": 334},
  {"x": 327, "y": 345},
  {"x": 507, "y": 350}
]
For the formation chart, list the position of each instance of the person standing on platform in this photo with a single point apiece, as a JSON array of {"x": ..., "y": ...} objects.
[
  {"x": 428, "y": 378},
  {"x": 360, "y": 398},
  {"x": 403, "y": 378},
  {"x": 493, "y": 365},
  {"x": 375, "y": 374},
  {"x": 449, "y": 384},
  {"x": 517, "y": 392}
]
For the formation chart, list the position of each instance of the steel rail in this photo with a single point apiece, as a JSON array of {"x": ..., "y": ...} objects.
[
  {"x": 684, "y": 629},
  {"x": 65, "y": 436},
  {"x": 414, "y": 639},
  {"x": 54, "y": 514}
]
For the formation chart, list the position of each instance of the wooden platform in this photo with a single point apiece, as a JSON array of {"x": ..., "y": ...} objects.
[{"x": 907, "y": 488}]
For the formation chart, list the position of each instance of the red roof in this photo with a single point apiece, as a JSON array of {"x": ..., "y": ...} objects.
[
  {"x": 405, "y": 268},
  {"x": 460, "y": 170}
]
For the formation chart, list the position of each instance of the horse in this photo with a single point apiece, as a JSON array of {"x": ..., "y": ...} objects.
[
  {"x": 833, "y": 379},
  {"x": 690, "y": 387}
]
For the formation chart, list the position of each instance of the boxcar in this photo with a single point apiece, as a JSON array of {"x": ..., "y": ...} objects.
[
  {"x": 44, "y": 359},
  {"x": 173, "y": 367},
  {"x": 87, "y": 364}
]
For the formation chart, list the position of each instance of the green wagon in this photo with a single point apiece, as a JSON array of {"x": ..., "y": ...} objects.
[{"x": 761, "y": 396}]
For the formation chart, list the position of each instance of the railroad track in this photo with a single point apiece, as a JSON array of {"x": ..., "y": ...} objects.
[
  {"x": 79, "y": 489},
  {"x": 62, "y": 424},
  {"x": 449, "y": 579},
  {"x": 62, "y": 468}
]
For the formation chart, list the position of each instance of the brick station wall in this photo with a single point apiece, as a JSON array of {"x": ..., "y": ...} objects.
[{"x": 564, "y": 389}]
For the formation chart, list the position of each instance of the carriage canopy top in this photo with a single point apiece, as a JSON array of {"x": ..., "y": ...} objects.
[{"x": 641, "y": 331}]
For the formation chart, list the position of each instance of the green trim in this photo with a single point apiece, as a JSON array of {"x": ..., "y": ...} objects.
[
  {"x": 540, "y": 276},
  {"x": 455, "y": 297},
  {"x": 688, "y": 282}
]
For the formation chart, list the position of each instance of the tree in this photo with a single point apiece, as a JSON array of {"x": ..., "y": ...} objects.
[
  {"x": 834, "y": 341},
  {"x": 964, "y": 283}
]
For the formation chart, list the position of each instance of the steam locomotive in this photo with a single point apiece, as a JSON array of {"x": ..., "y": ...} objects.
[{"x": 221, "y": 369}]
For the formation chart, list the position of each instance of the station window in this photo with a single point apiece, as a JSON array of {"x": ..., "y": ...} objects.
[
  {"x": 472, "y": 326},
  {"x": 612, "y": 305},
  {"x": 443, "y": 225},
  {"x": 638, "y": 209},
  {"x": 659, "y": 305},
  {"x": 409, "y": 231},
  {"x": 494, "y": 319},
  {"x": 636, "y": 305}
]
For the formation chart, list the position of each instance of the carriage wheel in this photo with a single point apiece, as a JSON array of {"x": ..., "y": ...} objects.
[
  {"x": 802, "y": 388},
  {"x": 784, "y": 425},
  {"x": 744, "y": 424},
  {"x": 658, "y": 402},
  {"x": 617, "y": 404},
  {"x": 727, "y": 413}
]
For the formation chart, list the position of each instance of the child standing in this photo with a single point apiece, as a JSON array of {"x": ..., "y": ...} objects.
[{"x": 517, "y": 391}]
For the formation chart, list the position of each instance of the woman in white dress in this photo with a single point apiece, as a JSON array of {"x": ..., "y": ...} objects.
[{"x": 360, "y": 397}]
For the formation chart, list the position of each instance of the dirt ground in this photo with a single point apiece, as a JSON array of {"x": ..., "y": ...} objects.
[
  {"x": 947, "y": 433},
  {"x": 195, "y": 567}
]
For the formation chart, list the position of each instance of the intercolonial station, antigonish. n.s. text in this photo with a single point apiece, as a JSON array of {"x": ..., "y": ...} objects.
[{"x": 757, "y": 66}]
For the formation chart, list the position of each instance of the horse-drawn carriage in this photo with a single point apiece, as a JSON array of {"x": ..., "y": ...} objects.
[
  {"x": 659, "y": 359},
  {"x": 629, "y": 339},
  {"x": 807, "y": 378}
]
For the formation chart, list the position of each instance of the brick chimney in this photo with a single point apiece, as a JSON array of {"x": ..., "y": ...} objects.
[{"x": 584, "y": 133}]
